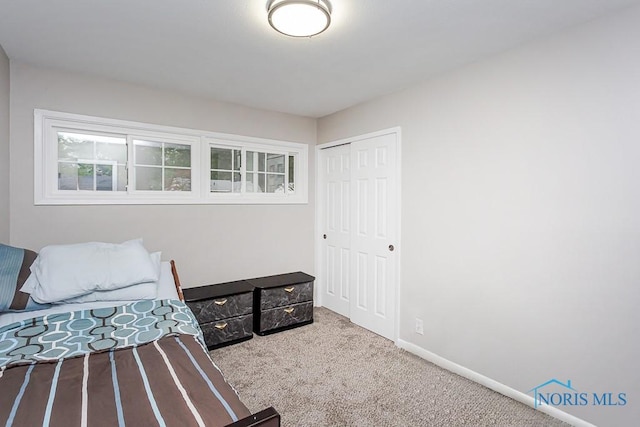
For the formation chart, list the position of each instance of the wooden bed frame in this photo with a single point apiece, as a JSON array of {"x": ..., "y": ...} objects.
[{"x": 266, "y": 418}]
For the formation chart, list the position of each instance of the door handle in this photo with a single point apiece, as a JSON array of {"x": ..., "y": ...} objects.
[
  {"x": 391, "y": 248},
  {"x": 324, "y": 236}
]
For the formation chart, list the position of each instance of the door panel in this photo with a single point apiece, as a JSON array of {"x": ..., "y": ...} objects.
[
  {"x": 373, "y": 169},
  {"x": 335, "y": 193},
  {"x": 380, "y": 280}
]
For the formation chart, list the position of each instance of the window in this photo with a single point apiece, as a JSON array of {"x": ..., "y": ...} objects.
[
  {"x": 92, "y": 160},
  {"x": 254, "y": 171},
  {"x": 263, "y": 171}
]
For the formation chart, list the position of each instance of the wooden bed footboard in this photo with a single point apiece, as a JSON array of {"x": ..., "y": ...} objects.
[
  {"x": 266, "y": 418},
  {"x": 176, "y": 280}
]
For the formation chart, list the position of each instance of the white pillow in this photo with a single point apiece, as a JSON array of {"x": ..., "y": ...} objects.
[
  {"x": 147, "y": 290},
  {"x": 68, "y": 271}
]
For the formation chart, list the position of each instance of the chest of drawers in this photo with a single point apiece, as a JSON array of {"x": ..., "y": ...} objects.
[
  {"x": 224, "y": 311},
  {"x": 282, "y": 302}
]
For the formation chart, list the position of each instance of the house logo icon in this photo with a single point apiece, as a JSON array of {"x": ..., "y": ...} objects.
[{"x": 537, "y": 391}]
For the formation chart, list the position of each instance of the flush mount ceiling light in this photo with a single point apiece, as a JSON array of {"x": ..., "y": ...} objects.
[{"x": 299, "y": 18}]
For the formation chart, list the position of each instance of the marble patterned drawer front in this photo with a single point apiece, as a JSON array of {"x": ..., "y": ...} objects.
[
  {"x": 286, "y": 316},
  {"x": 223, "y": 331},
  {"x": 286, "y": 295},
  {"x": 211, "y": 310}
]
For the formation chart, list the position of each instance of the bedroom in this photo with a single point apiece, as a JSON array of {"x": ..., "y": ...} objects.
[{"x": 519, "y": 210}]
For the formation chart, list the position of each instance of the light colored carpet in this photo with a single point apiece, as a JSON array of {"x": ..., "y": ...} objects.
[{"x": 334, "y": 373}]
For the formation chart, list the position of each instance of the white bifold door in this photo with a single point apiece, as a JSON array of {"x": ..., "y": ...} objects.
[{"x": 358, "y": 207}]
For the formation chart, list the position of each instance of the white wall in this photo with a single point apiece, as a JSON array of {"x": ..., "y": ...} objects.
[
  {"x": 209, "y": 243},
  {"x": 4, "y": 147},
  {"x": 521, "y": 212}
]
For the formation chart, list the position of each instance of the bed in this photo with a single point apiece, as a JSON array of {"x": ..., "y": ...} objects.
[{"x": 110, "y": 363}]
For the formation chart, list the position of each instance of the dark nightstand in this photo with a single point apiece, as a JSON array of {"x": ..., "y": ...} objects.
[
  {"x": 282, "y": 302},
  {"x": 224, "y": 312}
]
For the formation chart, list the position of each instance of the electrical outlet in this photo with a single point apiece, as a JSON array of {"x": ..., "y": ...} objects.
[{"x": 419, "y": 326}]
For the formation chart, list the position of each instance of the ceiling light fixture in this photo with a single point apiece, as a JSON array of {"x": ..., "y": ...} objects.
[{"x": 300, "y": 18}]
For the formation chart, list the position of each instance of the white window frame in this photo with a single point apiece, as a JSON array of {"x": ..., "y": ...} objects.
[{"x": 46, "y": 124}]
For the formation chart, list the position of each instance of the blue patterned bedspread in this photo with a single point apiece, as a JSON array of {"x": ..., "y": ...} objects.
[{"x": 65, "y": 335}]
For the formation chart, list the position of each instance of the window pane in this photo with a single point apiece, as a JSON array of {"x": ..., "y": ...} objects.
[
  {"x": 237, "y": 182},
  {"x": 237, "y": 159},
  {"x": 85, "y": 176},
  {"x": 275, "y": 183},
  {"x": 74, "y": 148},
  {"x": 275, "y": 163},
  {"x": 104, "y": 177},
  {"x": 177, "y": 155},
  {"x": 148, "y": 153},
  {"x": 253, "y": 183},
  {"x": 67, "y": 176},
  {"x": 148, "y": 178},
  {"x": 221, "y": 158},
  {"x": 122, "y": 178},
  {"x": 261, "y": 183},
  {"x": 221, "y": 182},
  {"x": 74, "y": 176},
  {"x": 74, "y": 145},
  {"x": 177, "y": 179},
  {"x": 108, "y": 151},
  {"x": 250, "y": 160},
  {"x": 261, "y": 159}
]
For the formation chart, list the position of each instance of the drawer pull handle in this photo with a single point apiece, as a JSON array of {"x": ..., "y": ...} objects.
[
  {"x": 220, "y": 302},
  {"x": 220, "y": 326},
  {"x": 289, "y": 310},
  {"x": 289, "y": 290}
]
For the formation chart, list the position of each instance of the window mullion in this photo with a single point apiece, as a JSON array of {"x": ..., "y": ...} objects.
[
  {"x": 131, "y": 166},
  {"x": 162, "y": 168},
  {"x": 243, "y": 171},
  {"x": 95, "y": 172},
  {"x": 286, "y": 174}
]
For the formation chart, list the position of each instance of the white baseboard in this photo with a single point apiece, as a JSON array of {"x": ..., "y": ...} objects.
[{"x": 492, "y": 384}]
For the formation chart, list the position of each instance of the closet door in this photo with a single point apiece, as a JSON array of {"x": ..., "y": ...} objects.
[
  {"x": 373, "y": 234},
  {"x": 335, "y": 216},
  {"x": 357, "y": 216}
]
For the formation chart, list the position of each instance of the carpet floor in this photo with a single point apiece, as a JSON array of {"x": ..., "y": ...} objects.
[{"x": 334, "y": 373}]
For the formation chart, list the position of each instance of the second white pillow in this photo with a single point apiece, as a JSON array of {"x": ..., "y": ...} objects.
[{"x": 140, "y": 291}]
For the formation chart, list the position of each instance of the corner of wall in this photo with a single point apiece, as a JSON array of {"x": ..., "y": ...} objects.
[{"x": 5, "y": 135}]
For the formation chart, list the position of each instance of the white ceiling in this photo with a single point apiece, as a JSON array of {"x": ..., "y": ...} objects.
[{"x": 226, "y": 50}]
